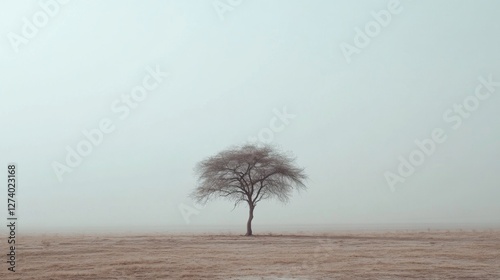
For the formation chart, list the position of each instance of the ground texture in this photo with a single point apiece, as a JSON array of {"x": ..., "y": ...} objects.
[{"x": 356, "y": 255}]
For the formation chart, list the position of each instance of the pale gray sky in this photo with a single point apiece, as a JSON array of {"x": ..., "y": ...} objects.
[{"x": 227, "y": 78}]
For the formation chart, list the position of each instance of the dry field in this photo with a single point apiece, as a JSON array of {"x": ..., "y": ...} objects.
[{"x": 358, "y": 255}]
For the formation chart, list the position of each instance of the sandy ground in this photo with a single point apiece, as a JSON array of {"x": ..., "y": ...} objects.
[{"x": 361, "y": 255}]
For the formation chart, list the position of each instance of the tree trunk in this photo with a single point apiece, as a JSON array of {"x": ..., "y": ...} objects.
[{"x": 250, "y": 218}]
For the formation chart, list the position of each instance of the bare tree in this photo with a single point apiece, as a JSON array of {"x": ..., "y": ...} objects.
[{"x": 249, "y": 174}]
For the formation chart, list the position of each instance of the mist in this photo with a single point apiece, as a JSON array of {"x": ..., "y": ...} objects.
[{"x": 390, "y": 106}]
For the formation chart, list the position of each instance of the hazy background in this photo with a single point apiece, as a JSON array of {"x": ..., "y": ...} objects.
[{"x": 352, "y": 120}]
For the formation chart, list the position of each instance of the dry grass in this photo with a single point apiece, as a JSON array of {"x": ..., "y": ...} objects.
[{"x": 396, "y": 255}]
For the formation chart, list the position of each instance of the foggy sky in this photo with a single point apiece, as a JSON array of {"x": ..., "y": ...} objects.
[{"x": 227, "y": 79}]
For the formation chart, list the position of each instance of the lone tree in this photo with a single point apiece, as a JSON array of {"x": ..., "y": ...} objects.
[{"x": 248, "y": 173}]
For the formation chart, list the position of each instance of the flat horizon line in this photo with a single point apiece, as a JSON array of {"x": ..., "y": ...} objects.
[{"x": 263, "y": 228}]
